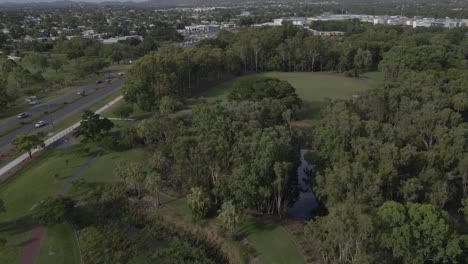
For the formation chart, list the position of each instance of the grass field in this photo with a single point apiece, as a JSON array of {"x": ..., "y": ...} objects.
[
  {"x": 38, "y": 180},
  {"x": 313, "y": 88},
  {"x": 59, "y": 246}
]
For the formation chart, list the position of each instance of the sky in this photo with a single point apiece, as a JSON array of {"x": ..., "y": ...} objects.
[{"x": 45, "y": 1}]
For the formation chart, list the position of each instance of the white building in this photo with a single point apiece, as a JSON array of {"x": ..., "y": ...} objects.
[{"x": 117, "y": 39}]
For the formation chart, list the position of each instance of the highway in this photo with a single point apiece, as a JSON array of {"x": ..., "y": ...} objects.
[{"x": 68, "y": 110}]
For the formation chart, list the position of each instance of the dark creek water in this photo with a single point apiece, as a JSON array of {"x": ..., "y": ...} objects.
[{"x": 306, "y": 201}]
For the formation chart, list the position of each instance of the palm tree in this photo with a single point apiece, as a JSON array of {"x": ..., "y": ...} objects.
[
  {"x": 229, "y": 216},
  {"x": 198, "y": 202}
]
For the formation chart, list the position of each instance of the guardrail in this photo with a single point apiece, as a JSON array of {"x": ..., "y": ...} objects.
[{"x": 5, "y": 169}]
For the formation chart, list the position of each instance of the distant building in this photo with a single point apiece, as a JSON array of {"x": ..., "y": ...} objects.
[
  {"x": 297, "y": 21},
  {"x": 14, "y": 58},
  {"x": 327, "y": 33},
  {"x": 117, "y": 39},
  {"x": 201, "y": 28}
]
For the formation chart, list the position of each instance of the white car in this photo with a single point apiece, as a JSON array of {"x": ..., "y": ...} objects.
[
  {"x": 22, "y": 115},
  {"x": 40, "y": 124},
  {"x": 121, "y": 74}
]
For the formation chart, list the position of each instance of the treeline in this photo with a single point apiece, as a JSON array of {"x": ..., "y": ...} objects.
[
  {"x": 391, "y": 165},
  {"x": 178, "y": 72}
]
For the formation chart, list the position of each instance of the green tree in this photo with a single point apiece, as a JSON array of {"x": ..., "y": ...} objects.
[
  {"x": 132, "y": 174},
  {"x": 283, "y": 173},
  {"x": 169, "y": 105},
  {"x": 260, "y": 88},
  {"x": 229, "y": 216},
  {"x": 464, "y": 208},
  {"x": 4, "y": 98},
  {"x": 93, "y": 127},
  {"x": 54, "y": 211},
  {"x": 26, "y": 142},
  {"x": 56, "y": 63},
  {"x": 362, "y": 60},
  {"x": 342, "y": 236},
  {"x": 124, "y": 111},
  {"x": 199, "y": 202},
  {"x": 153, "y": 183},
  {"x": 416, "y": 233}
]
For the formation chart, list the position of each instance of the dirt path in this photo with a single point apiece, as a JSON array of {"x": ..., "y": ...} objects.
[{"x": 33, "y": 244}]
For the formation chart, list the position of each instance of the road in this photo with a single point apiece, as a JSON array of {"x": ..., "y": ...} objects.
[
  {"x": 68, "y": 110},
  {"x": 39, "y": 109}
]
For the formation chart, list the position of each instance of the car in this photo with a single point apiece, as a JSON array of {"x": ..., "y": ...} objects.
[
  {"x": 40, "y": 124},
  {"x": 81, "y": 92},
  {"x": 33, "y": 102},
  {"x": 22, "y": 115},
  {"x": 121, "y": 74},
  {"x": 108, "y": 80},
  {"x": 98, "y": 82}
]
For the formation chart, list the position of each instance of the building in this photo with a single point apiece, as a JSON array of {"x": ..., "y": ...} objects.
[
  {"x": 117, "y": 39},
  {"x": 201, "y": 28}
]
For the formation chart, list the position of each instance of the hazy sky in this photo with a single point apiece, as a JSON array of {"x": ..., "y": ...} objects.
[{"x": 39, "y": 1}]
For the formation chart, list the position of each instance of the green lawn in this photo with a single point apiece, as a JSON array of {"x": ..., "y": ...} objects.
[
  {"x": 38, "y": 180},
  {"x": 274, "y": 244},
  {"x": 313, "y": 88},
  {"x": 59, "y": 246},
  {"x": 102, "y": 168}
]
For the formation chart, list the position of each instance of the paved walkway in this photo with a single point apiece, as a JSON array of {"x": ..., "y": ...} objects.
[{"x": 33, "y": 245}]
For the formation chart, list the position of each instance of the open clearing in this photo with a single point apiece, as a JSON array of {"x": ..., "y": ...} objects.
[{"x": 313, "y": 88}]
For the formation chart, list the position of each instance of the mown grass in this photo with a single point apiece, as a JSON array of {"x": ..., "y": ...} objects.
[
  {"x": 39, "y": 179},
  {"x": 314, "y": 88},
  {"x": 59, "y": 246}
]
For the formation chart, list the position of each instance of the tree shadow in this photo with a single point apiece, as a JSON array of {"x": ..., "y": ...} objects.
[
  {"x": 254, "y": 225},
  {"x": 18, "y": 226}
]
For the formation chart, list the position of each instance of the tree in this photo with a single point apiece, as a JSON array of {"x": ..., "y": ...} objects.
[
  {"x": 153, "y": 184},
  {"x": 260, "y": 88},
  {"x": 93, "y": 127},
  {"x": 229, "y": 216},
  {"x": 362, "y": 60},
  {"x": 283, "y": 172},
  {"x": 416, "y": 233},
  {"x": 342, "y": 236},
  {"x": 132, "y": 174},
  {"x": 4, "y": 98},
  {"x": 198, "y": 202},
  {"x": 56, "y": 63},
  {"x": 464, "y": 208},
  {"x": 2, "y": 207},
  {"x": 168, "y": 105},
  {"x": 25, "y": 142},
  {"x": 54, "y": 211},
  {"x": 124, "y": 111}
]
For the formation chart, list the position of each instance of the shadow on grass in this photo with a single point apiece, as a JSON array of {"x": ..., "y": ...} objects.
[
  {"x": 17, "y": 226},
  {"x": 253, "y": 225},
  {"x": 311, "y": 109}
]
